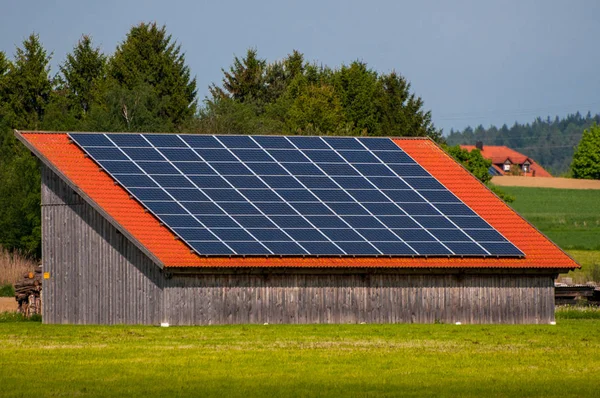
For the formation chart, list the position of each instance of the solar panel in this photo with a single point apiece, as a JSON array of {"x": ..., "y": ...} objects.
[{"x": 298, "y": 195}]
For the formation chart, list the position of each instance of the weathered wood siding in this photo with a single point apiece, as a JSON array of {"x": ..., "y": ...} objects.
[
  {"x": 96, "y": 275},
  {"x": 346, "y": 298},
  {"x": 99, "y": 277}
]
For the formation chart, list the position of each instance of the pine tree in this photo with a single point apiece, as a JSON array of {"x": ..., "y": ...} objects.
[
  {"x": 82, "y": 72},
  {"x": 148, "y": 57},
  {"x": 245, "y": 80},
  {"x": 586, "y": 160}
]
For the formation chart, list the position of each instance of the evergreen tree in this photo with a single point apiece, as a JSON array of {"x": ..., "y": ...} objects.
[
  {"x": 245, "y": 80},
  {"x": 586, "y": 160},
  {"x": 82, "y": 72},
  {"x": 148, "y": 57}
]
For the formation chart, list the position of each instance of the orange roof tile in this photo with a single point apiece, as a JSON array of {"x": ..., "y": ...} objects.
[
  {"x": 82, "y": 172},
  {"x": 499, "y": 154}
]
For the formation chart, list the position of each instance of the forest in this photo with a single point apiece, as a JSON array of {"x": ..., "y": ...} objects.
[{"x": 550, "y": 142}]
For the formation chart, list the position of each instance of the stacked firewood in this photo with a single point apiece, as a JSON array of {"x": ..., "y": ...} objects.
[{"x": 28, "y": 292}]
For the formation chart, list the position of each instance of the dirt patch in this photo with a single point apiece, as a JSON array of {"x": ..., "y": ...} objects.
[
  {"x": 542, "y": 182},
  {"x": 8, "y": 304}
]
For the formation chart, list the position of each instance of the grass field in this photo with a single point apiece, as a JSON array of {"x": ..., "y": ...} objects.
[
  {"x": 570, "y": 217},
  {"x": 312, "y": 360}
]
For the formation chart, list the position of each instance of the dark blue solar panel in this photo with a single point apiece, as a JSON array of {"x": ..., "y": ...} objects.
[
  {"x": 394, "y": 248},
  {"x": 198, "y": 208},
  {"x": 180, "y": 155},
  {"x": 317, "y": 182},
  {"x": 231, "y": 168},
  {"x": 269, "y": 235},
  {"x": 88, "y": 140},
  {"x": 327, "y": 221},
  {"x": 273, "y": 142},
  {"x": 308, "y": 142},
  {"x": 201, "y": 141},
  {"x": 129, "y": 140},
  {"x": 380, "y": 144},
  {"x": 143, "y": 154},
  {"x": 332, "y": 195},
  {"x": 237, "y": 141},
  {"x": 390, "y": 157},
  {"x": 430, "y": 248},
  {"x": 303, "y": 169},
  {"x": 342, "y": 235},
  {"x": 288, "y": 156},
  {"x": 173, "y": 181},
  {"x": 239, "y": 208},
  {"x": 260, "y": 195},
  {"x": 358, "y": 248},
  {"x": 306, "y": 235},
  {"x": 189, "y": 168},
  {"x": 252, "y": 155},
  {"x": 135, "y": 181},
  {"x": 341, "y": 143},
  {"x": 359, "y": 157},
  {"x": 362, "y": 222},
  {"x": 290, "y": 221},
  {"x": 144, "y": 194},
  {"x": 379, "y": 235},
  {"x": 121, "y": 167},
  {"x": 246, "y": 182},
  {"x": 267, "y": 169},
  {"x": 211, "y": 221},
  {"x": 211, "y": 248},
  {"x": 377, "y": 170},
  {"x": 232, "y": 234},
  {"x": 166, "y": 141},
  {"x": 322, "y": 248},
  {"x": 100, "y": 154},
  {"x": 166, "y": 208},
  {"x": 285, "y": 248},
  {"x": 353, "y": 182},
  {"x": 196, "y": 234},
  {"x": 403, "y": 196},
  {"x": 281, "y": 182},
  {"x": 324, "y": 156},
  {"x": 248, "y": 190},
  {"x": 450, "y": 235},
  {"x": 157, "y": 168},
  {"x": 215, "y": 155},
  {"x": 254, "y": 222},
  {"x": 469, "y": 249}
]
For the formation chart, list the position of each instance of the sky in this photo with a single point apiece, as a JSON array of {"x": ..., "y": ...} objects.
[{"x": 472, "y": 62}]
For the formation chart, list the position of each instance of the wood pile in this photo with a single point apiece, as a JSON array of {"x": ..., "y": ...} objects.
[{"x": 28, "y": 292}]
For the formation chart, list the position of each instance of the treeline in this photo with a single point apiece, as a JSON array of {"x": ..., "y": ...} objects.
[
  {"x": 146, "y": 85},
  {"x": 549, "y": 142}
]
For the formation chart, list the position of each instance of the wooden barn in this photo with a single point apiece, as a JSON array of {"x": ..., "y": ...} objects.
[{"x": 200, "y": 230}]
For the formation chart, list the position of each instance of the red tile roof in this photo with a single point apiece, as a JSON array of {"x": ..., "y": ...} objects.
[
  {"x": 499, "y": 154},
  {"x": 68, "y": 159}
]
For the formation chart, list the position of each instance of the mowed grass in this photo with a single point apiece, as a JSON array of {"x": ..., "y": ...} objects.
[
  {"x": 306, "y": 360},
  {"x": 569, "y": 217}
]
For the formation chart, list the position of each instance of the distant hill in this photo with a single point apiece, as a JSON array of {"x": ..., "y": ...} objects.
[{"x": 549, "y": 142}]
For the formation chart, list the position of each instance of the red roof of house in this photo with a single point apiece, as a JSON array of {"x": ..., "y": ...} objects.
[
  {"x": 499, "y": 154},
  {"x": 66, "y": 158}
]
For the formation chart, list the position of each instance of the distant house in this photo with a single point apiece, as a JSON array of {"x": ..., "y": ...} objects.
[{"x": 506, "y": 161}]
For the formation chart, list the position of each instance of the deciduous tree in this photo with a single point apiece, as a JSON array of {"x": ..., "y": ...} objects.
[{"x": 586, "y": 160}]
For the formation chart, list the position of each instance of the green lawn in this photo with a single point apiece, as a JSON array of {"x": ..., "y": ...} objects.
[
  {"x": 570, "y": 217},
  {"x": 312, "y": 360}
]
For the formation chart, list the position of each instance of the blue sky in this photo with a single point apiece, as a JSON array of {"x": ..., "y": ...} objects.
[{"x": 472, "y": 62}]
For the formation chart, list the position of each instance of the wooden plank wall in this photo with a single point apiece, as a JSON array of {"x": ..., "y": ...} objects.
[
  {"x": 96, "y": 275},
  {"x": 371, "y": 298},
  {"x": 100, "y": 277}
]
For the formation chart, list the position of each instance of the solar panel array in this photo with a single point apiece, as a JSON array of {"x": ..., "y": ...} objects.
[{"x": 293, "y": 195}]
